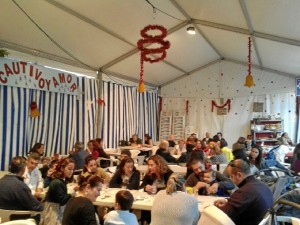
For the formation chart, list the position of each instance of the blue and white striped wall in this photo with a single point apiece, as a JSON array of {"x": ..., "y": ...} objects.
[
  {"x": 66, "y": 119},
  {"x": 63, "y": 119},
  {"x": 127, "y": 112}
]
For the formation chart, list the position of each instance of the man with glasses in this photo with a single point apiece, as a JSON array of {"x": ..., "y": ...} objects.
[
  {"x": 196, "y": 179},
  {"x": 250, "y": 202}
]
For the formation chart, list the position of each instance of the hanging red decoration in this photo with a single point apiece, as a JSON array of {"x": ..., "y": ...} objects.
[
  {"x": 213, "y": 103},
  {"x": 187, "y": 107},
  {"x": 249, "y": 78},
  {"x": 34, "y": 112},
  {"x": 147, "y": 52},
  {"x": 100, "y": 101},
  {"x": 160, "y": 104}
]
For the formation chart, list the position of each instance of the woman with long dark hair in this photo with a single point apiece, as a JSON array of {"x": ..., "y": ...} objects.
[
  {"x": 91, "y": 168},
  {"x": 57, "y": 195},
  {"x": 126, "y": 176}
]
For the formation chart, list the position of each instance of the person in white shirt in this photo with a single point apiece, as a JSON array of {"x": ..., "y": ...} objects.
[
  {"x": 32, "y": 176},
  {"x": 281, "y": 150},
  {"x": 121, "y": 214}
]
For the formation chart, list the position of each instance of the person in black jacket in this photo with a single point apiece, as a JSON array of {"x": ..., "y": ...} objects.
[
  {"x": 127, "y": 176},
  {"x": 15, "y": 194},
  {"x": 80, "y": 210},
  {"x": 164, "y": 152},
  {"x": 157, "y": 175}
]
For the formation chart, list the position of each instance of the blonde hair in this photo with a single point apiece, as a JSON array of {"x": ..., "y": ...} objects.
[
  {"x": 161, "y": 163},
  {"x": 175, "y": 183}
]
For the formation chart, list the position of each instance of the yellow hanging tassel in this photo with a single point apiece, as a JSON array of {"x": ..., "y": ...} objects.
[
  {"x": 141, "y": 87},
  {"x": 34, "y": 112},
  {"x": 249, "y": 81}
]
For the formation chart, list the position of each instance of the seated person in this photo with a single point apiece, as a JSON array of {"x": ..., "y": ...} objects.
[
  {"x": 241, "y": 154},
  {"x": 157, "y": 174},
  {"x": 15, "y": 194},
  {"x": 217, "y": 155},
  {"x": 207, "y": 138},
  {"x": 286, "y": 139},
  {"x": 80, "y": 209},
  {"x": 164, "y": 152},
  {"x": 38, "y": 148},
  {"x": 126, "y": 176},
  {"x": 79, "y": 155},
  {"x": 135, "y": 140},
  {"x": 250, "y": 202},
  {"x": 121, "y": 214},
  {"x": 173, "y": 205},
  {"x": 171, "y": 141},
  {"x": 32, "y": 176},
  {"x": 198, "y": 150},
  {"x": 219, "y": 137},
  {"x": 240, "y": 144},
  {"x": 190, "y": 144},
  {"x": 148, "y": 141},
  {"x": 45, "y": 166},
  {"x": 125, "y": 154},
  {"x": 91, "y": 168},
  {"x": 209, "y": 177},
  {"x": 280, "y": 150},
  {"x": 48, "y": 178},
  {"x": 295, "y": 164},
  {"x": 196, "y": 179},
  {"x": 226, "y": 151},
  {"x": 180, "y": 148}
]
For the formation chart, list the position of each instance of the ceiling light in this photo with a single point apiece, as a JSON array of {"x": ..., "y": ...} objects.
[{"x": 191, "y": 29}]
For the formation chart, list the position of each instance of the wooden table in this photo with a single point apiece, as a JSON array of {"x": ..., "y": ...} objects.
[{"x": 144, "y": 201}]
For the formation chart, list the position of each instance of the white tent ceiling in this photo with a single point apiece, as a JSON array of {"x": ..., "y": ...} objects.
[{"x": 102, "y": 34}]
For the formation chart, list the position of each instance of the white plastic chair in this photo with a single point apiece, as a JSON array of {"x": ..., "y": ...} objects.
[
  {"x": 140, "y": 159},
  {"x": 212, "y": 215},
  {"x": 266, "y": 220},
  {"x": 154, "y": 149},
  {"x": 5, "y": 214},
  {"x": 134, "y": 153},
  {"x": 20, "y": 222},
  {"x": 286, "y": 219},
  {"x": 105, "y": 159}
]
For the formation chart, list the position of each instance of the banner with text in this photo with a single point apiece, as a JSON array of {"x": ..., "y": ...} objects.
[{"x": 24, "y": 74}]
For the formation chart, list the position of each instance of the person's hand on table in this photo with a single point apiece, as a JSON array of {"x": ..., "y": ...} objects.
[
  {"x": 220, "y": 203},
  {"x": 150, "y": 189},
  {"x": 213, "y": 189},
  {"x": 200, "y": 184}
]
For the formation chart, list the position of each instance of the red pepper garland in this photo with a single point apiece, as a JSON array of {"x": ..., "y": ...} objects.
[
  {"x": 147, "y": 52},
  {"x": 187, "y": 107},
  {"x": 249, "y": 79},
  {"x": 213, "y": 103}
]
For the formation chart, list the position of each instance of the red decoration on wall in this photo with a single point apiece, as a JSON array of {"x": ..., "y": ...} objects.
[
  {"x": 187, "y": 107},
  {"x": 160, "y": 104},
  {"x": 147, "y": 52},
  {"x": 34, "y": 112},
  {"x": 100, "y": 102},
  {"x": 213, "y": 103}
]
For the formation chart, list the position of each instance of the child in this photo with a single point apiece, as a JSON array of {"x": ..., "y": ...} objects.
[
  {"x": 209, "y": 177},
  {"x": 121, "y": 214}
]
